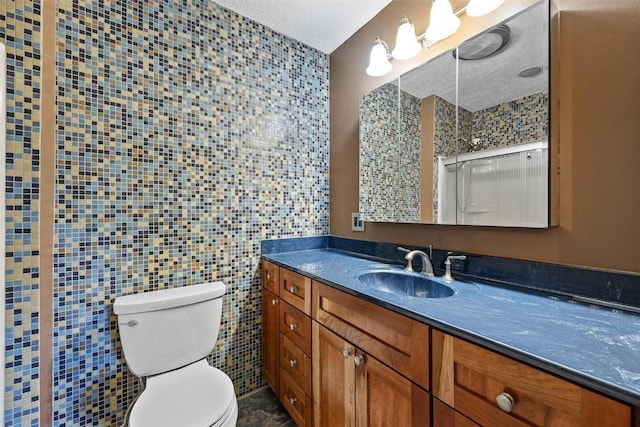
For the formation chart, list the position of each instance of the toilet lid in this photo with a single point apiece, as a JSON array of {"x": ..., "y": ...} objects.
[{"x": 197, "y": 395}]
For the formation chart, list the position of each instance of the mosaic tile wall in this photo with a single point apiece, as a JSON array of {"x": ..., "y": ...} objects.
[
  {"x": 186, "y": 135},
  {"x": 20, "y": 26},
  {"x": 444, "y": 138},
  {"x": 494, "y": 126},
  {"x": 390, "y": 139}
]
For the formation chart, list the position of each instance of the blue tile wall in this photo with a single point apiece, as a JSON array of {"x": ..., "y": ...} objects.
[
  {"x": 186, "y": 135},
  {"x": 20, "y": 31}
]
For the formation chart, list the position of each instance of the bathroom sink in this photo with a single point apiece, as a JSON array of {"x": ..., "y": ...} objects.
[{"x": 410, "y": 284}]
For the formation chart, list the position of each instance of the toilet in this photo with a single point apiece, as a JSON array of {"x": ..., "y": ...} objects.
[{"x": 166, "y": 336}]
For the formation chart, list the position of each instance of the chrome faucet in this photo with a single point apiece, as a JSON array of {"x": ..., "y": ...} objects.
[
  {"x": 447, "y": 273},
  {"x": 427, "y": 267}
]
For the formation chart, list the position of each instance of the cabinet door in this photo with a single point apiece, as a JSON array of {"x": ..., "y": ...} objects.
[
  {"x": 473, "y": 380},
  {"x": 270, "y": 339},
  {"x": 271, "y": 277},
  {"x": 386, "y": 398},
  {"x": 333, "y": 379},
  {"x": 445, "y": 416},
  {"x": 398, "y": 341}
]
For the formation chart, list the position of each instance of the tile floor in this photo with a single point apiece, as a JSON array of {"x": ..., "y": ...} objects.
[{"x": 262, "y": 409}]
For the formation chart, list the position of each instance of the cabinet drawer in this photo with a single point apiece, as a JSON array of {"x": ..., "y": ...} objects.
[
  {"x": 396, "y": 340},
  {"x": 296, "y": 326},
  {"x": 470, "y": 379},
  {"x": 295, "y": 401},
  {"x": 296, "y": 290},
  {"x": 271, "y": 277},
  {"x": 295, "y": 363}
]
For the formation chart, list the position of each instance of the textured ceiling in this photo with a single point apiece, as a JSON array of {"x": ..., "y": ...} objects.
[
  {"x": 487, "y": 82},
  {"x": 322, "y": 24}
]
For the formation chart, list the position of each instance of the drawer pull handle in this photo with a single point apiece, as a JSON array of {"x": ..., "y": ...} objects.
[
  {"x": 293, "y": 401},
  {"x": 358, "y": 360},
  {"x": 505, "y": 402},
  {"x": 346, "y": 353},
  {"x": 274, "y": 301},
  {"x": 268, "y": 276},
  {"x": 293, "y": 326},
  {"x": 293, "y": 289},
  {"x": 293, "y": 363}
]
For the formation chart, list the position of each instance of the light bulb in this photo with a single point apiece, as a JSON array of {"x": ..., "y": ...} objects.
[
  {"x": 379, "y": 64},
  {"x": 482, "y": 7},
  {"x": 407, "y": 45},
  {"x": 442, "y": 21}
]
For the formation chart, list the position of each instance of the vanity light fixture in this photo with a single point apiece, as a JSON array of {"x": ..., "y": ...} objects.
[
  {"x": 379, "y": 64},
  {"x": 407, "y": 45},
  {"x": 482, "y": 7},
  {"x": 443, "y": 22}
]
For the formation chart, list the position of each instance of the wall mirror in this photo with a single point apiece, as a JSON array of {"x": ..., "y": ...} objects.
[{"x": 464, "y": 138}]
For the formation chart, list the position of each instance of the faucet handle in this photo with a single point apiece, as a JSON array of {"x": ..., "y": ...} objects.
[
  {"x": 447, "y": 274},
  {"x": 400, "y": 248}
]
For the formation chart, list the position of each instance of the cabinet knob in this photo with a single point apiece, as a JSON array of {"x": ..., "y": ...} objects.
[
  {"x": 293, "y": 289},
  {"x": 268, "y": 276},
  {"x": 293, "y": 401},
  {"x": 274, "y": 301},
  {"x": 505, "y": 402},
  {"x": 358, "y": 360},
  {"x": 346, "y": 353},
  {"x": 293, "y": 363},
  {"x": 293, "y": 326}
]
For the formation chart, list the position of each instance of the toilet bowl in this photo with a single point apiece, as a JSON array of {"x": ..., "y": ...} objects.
[
  {"x": 196, "y": 395},
  {"x": 166, "y": 336}
]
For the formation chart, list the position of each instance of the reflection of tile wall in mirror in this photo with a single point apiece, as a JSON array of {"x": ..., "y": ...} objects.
[
  {"x": 390, "y": 155},
  {"x": 494, "y": 125}
]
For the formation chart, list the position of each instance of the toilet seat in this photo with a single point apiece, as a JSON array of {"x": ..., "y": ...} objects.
[{"x": 197, "y": 395}]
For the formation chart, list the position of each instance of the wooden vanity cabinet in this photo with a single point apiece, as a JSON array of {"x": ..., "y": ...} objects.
[
  {"x": 491, "y": 389},
  {"x": 338, "y": 360},
  {"x": 445, "y": 416},
  {"x": 370, "y": 365},
  {"x": 286, "y": 324}
]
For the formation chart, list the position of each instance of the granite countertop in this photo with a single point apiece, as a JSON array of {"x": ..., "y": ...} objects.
[{"x": 595, "y": 347}]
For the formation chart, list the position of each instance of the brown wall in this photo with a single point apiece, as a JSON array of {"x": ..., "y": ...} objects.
[{"x": 599, "y": 134}]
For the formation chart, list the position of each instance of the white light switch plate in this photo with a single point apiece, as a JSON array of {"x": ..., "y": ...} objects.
[{"x": 357, "y": 224}]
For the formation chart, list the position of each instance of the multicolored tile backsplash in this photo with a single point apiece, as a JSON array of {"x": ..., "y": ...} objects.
[
  {"x": 20, "y": 31},
  {"x": 186, "y": 134}
]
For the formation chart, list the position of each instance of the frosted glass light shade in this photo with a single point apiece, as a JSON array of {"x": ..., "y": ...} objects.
[
  {"x": 442, "y": 21},
  {"x": 379, "y": 64},
  {"x": 407, "y": 45},
  {"x": 482, "y": 7}
]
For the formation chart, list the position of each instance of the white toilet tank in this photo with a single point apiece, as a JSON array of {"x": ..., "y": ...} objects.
[{"x": 170, "y": 328}]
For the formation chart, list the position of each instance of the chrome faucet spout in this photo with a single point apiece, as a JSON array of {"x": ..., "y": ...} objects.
[{"x": 427, "y": 267}]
